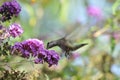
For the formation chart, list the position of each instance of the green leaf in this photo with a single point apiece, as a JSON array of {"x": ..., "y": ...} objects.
[
  {"x": 47, "y": 78},
  {"x": 2, "y": 69},
  {"x": 115, "y": 6}
]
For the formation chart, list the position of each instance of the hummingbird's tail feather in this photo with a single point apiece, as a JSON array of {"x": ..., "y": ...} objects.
[{"x": 79, "y": 46}]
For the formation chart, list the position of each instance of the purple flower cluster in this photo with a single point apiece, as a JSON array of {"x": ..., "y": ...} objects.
[
  {"x": 9, "y": 9},
  {"x": 94, "y": 11},
  {"x": 52, "y": 57},
  {"x": 35, "y": 48},
  {"x": 15, "y": 30}
]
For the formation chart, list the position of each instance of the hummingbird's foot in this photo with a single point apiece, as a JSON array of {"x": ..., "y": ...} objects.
[{"x": 67, "y": 55}]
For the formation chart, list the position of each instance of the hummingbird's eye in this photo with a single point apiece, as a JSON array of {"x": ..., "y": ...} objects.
[{"x": 48, "y": 45}]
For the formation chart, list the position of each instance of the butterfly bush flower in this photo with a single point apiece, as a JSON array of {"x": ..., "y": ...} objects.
[
  {"x": 94, "y": 11},
  {"x": 15, "y": 30},
  {"x": 4, "y": 33},
  {"x": 35, "y": 48},
  {"x": 52, "y": 58},
  {"x": 9, "y": 9}
]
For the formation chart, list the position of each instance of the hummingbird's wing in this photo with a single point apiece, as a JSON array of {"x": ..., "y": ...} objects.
[{"x": 79, "y": 32}]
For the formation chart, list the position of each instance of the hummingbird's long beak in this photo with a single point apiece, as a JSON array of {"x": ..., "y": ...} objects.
[{"x": 84, "y": 44}]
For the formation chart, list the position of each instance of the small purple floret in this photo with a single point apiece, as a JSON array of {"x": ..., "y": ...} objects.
[{"x": 15, "y": 30}]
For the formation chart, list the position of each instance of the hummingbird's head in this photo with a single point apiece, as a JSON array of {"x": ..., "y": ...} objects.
[
  {"x": 55, "y": 43},
  {"x": 51, "y": 44}
]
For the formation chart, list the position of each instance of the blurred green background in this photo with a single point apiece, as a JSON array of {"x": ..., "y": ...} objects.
[{"x": 52, "y": 19}]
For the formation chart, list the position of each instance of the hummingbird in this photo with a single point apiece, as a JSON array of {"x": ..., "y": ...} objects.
[{"x": 65, "y": 45}]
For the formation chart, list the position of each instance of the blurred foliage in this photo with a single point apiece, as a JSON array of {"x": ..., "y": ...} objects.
[
  {"x": 115, "y": 6},
  {"x": 52, "y": 19},
  {"x": 10, "y": 75}
]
